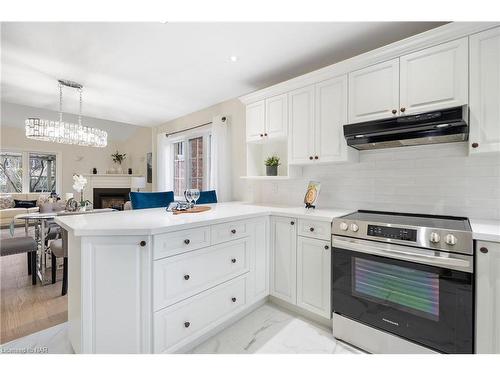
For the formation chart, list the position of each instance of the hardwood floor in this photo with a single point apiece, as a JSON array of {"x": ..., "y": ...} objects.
[{"x": 26, "y": 308}]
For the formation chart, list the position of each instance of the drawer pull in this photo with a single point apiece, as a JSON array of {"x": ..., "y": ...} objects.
[
  {"x": 142, "y": 243},
  {"x": 186, "y": 277},
  {"x": 187, "y": 324},
  {"x": 233, "y": 299},
  {"x": 327, "y": 247},
  {"x": 233, "y": 260},
  {"x": 233, "y": 231},
  {"x": 186, "y": 241},
  {"x": 311, "y": 229},
  {"x": 292, "y": 222},
  {"x": 484, "y": 250}
]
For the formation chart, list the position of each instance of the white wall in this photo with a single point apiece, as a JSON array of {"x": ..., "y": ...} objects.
[
  {"x": 432, "y": 179},
  {"x": 133, "y": 140}
]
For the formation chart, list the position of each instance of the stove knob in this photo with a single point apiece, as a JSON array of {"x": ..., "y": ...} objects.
[
  {"x": 435, "y": 237},
  {"x": 354, "y": 227},
  {"x": 450, "y": 239},
  {"x": 343, "y": 226}
]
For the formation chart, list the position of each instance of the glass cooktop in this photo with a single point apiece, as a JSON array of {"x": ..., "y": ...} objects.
[{"x": 417, "y": 220}]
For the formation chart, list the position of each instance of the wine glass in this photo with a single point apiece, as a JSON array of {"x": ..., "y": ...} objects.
[
  {"x": 189, "y": 197},
  {"x": 195, "y": 194}
]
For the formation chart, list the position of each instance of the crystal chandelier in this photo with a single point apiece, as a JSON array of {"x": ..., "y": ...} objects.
[{"x": 66, "y": 132}]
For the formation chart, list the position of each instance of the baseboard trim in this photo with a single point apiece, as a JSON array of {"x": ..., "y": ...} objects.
[{"x": 300, "y": 311}]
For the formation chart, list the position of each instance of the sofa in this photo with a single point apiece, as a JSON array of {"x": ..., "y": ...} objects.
[{"x": 7, "y": 214}]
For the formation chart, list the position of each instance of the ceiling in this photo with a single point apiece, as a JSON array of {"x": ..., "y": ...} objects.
[{"x": 149, "y": 73}]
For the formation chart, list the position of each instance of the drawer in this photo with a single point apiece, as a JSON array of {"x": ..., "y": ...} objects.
[
  {"x": 321, "y": 230},
  {"x": 181, "y": 276},
  {"x": 179, "y": 324},
  {"x": 173, "y": 243},
  {"x": 229, "y": 231}
]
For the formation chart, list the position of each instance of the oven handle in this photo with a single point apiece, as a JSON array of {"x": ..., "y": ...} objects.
[{"x": 457, "y": 262}]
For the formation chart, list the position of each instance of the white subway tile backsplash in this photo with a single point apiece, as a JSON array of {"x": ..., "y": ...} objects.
[{"x": 434, "y": 179}]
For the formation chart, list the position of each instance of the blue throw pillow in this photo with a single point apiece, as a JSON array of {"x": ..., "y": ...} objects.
[
  {"x": 206, "y": 197},
  {"x": 151, "y": 200}
]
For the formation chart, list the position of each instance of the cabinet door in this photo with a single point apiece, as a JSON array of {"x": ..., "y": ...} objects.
[
  {"x": 284, "y": 258},
  {"x": 374, "y": 92},
  {"x": 313, "y": 275},
  {"x": 276, "y": 116},
  {"x": 487, "y": 297},
  {"x": 434, "y": 78},
  {"x": 256, "y": 121},
  {"x": 301, "y": 126},
  {"x": 485, "y": 91},
  {"x": 331, "y": 116},
  {"x": 261, "y": 259}
]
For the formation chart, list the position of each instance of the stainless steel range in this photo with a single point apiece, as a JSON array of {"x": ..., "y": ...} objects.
[{"x": 403, "y": 283}]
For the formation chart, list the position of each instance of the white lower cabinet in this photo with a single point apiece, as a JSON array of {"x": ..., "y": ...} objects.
[
  {"x": 314, "y": 275},
  {"x": 487, "y": 297},
  {"x": 284, "y": 258},
  {"x": 175, "y": 326}
]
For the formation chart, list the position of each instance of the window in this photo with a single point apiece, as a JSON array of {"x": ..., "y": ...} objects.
[
  {"x": 191, "y": 159},
  {"x": 11, "y": 172},
  {"x": 40, "y": 172}
]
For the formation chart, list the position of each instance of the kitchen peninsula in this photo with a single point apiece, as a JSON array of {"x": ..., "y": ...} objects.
[{"x": 148, "y": 281}]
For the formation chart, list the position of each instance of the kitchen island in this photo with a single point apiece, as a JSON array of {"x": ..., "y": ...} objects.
[{"x": 148, "y": 281}]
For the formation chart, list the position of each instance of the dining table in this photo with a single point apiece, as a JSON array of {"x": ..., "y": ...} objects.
[{"x": 41, "y": 222}]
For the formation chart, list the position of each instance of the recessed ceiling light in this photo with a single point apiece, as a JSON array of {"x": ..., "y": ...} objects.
[{"x": 233, "y": 58}]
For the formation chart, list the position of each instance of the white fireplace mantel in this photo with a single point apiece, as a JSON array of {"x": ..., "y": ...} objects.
[{"x": 106, "y": 181}]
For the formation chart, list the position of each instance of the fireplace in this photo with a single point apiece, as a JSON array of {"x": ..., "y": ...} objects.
[{"x": 111, "y": 197}]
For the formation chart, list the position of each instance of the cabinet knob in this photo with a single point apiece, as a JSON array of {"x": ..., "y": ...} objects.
[
  {"x": 265, "y": 134},
  {"x": 484, "y": 250},
  {"x": 186, "y": 241},
  {"x": 403, "y": 109},
  {"x": 186, "y": 277},
  {"x": 292, "y": 222},
  {"x": 475, "y": 145},
  {"x": 311, "y": 229},
  {"x": 262, "y": 135},
  {"x": 316, "y": 157},
  {"x": 233, "y": 231},
  {"x": 394, "y": 111},
  {"x": 327, "y": 247},
  {"x": 233, "y": 299},
  {"x": 142, "y": 243},
  {"x": 187, "y": 324},
  {"x": 310, "y": 158},
  {"x": 233, "y": 260}
]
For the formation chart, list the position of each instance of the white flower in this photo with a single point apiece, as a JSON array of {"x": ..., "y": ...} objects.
[{"x": 79, "y": 182}]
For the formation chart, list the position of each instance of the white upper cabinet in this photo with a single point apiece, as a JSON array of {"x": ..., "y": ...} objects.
[
  {"x": 374, "y": 92},
  {"x": 256, "y": 120},
  {"x": 330, "y": 117},
  {"x": 314, "y": 275},
  {"x": 276, "y": 116},
  {"x": 301, "y": 125},
  {"x": 484, "y": 133},
  {"x": 434, "y": 78}
]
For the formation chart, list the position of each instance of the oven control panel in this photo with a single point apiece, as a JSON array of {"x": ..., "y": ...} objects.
[{"x": 403, "y": 234}]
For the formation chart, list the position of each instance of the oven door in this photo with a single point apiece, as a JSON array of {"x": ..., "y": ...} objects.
[{"x": 413, "y": 295}]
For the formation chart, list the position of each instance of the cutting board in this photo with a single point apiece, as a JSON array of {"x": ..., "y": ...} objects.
[{"x": 193, "y": 210}]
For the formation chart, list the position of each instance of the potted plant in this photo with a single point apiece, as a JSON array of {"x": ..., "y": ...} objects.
[
  {"x": 79, "y": 183},
  {"x": 118, "y": 159},
  {"x": 272, "y": 163}
]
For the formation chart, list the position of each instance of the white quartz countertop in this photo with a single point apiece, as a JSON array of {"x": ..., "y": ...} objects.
[
  {"x": 485, "y": 230},
  {"x": 158, "y": 220}
]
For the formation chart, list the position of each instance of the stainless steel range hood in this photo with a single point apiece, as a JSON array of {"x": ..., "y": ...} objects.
[{"x": 443, "y": 126}]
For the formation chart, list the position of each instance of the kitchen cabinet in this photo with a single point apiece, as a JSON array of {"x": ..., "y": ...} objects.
[
  {"x": 317, "y": 115},
  {"x": 284, "y": 258},
  {"x": 301, "y": 124},
  {"x": 487, "y": 297},
  {"x": 276, "y": 116},
  {"x": 314, "y": 275},
  {"x": 434, "y": 78},
  {"x": 484, "y": 133},
  {"x": 260, "y": 261},
  {"x": 374, "y": 92},
  {"x": 255, "y": 120}
]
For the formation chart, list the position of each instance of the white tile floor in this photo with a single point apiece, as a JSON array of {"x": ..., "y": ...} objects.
[{"x": 268, "y": 329}]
